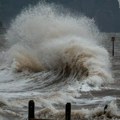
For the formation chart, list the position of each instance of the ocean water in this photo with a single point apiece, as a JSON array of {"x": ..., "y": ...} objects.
[{"x": 53, "y": 58}]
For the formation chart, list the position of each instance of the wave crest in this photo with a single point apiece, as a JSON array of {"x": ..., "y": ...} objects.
[{"x": 48, "y": 40}]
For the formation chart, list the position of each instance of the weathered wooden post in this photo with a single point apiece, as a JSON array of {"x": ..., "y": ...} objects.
[
  {"x": 31, "y": 110},
  {"x": 1, "y": 25},
  {"x": 105, "y": 108},
  {"x": 68, "y": 111},
  {"x": 113, "y": 40}
]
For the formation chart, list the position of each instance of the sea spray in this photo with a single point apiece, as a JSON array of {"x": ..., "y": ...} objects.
[
  {"x": 51, "y": 57},
  {"x": 49, "y": 41}
]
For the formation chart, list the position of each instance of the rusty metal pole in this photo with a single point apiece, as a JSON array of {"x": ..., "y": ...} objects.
[
  {"x": 113, "y": 40},
  {"x": 68, "y": 111},
  {"x": 31, "y": 110}
]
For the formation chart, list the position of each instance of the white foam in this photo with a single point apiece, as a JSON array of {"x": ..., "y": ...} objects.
[{"x": 52, "y": 57}]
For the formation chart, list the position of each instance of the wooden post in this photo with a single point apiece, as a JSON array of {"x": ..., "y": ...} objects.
[
  {"x": 113, "y": 39},
  {"x": 1, "y": 25},
  {"x": 68, "y": 111},
  {"x": 31, "y": 110},
  {"x": 105, "y": 108}
]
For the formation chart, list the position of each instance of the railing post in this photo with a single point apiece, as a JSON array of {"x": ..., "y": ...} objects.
[
  {"x": 113, "y": 39},
  {"x": 68, "y": 111},
  {"x": 31, "y": 110}
]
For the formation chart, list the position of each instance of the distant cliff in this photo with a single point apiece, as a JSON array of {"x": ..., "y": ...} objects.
[{"x": 106, "y": 13}]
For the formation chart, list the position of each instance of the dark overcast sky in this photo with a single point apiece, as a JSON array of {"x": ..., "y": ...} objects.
[{"x": 105, "y": 12}]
